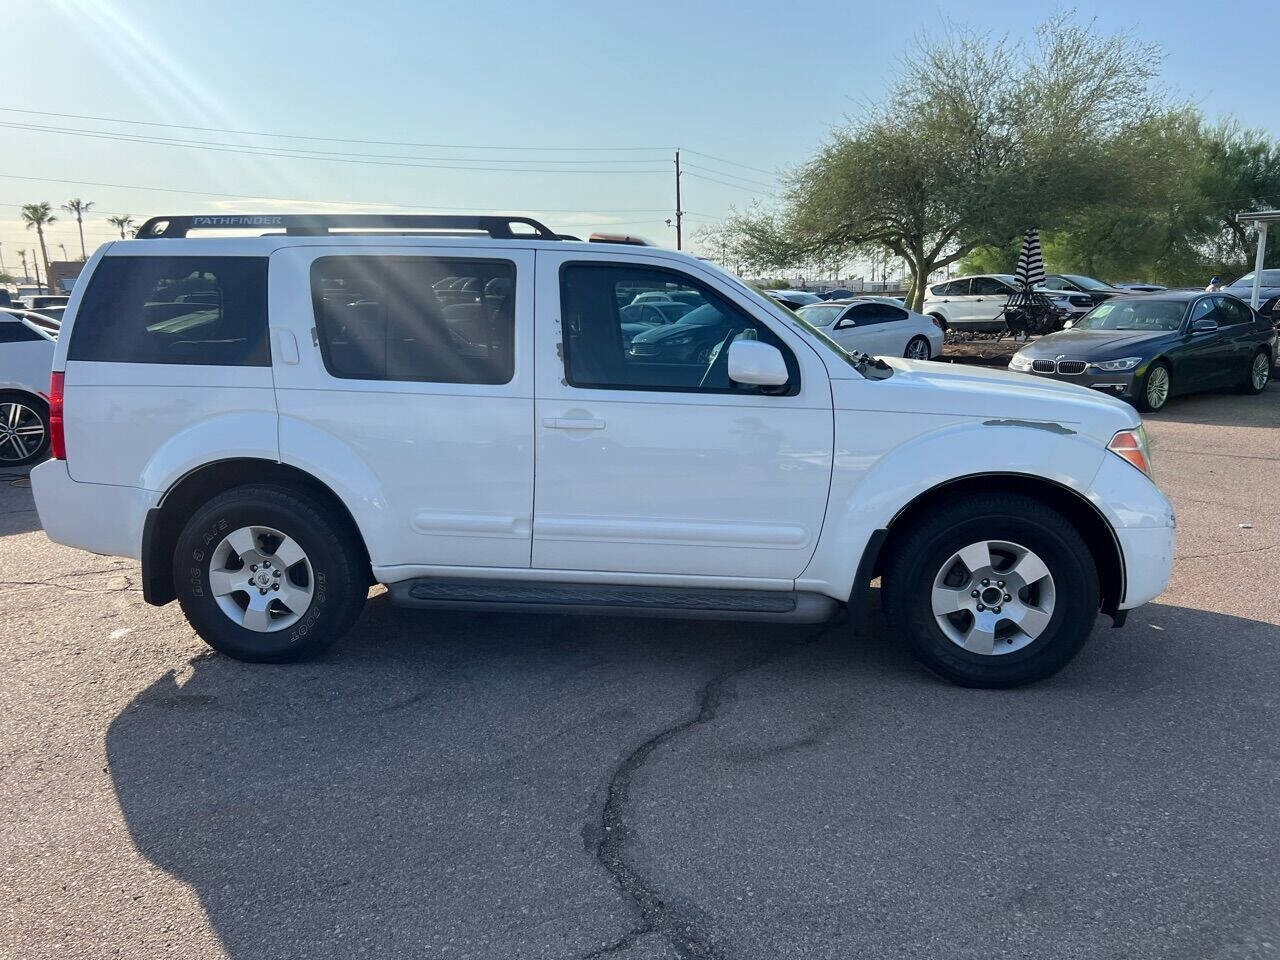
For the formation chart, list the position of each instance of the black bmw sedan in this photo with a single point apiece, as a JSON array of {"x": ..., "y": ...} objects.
[{"x": 1150, "y": 347}]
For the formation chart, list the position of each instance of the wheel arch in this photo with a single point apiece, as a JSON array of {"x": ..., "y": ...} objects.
[
  {"x": 164, "y": 521},
  {"x": 1083, "y": 514}
]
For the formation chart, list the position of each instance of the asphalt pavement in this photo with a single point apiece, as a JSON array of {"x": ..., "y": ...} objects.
[{"x": 493, "y": 786}]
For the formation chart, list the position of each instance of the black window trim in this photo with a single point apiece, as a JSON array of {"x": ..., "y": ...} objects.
[
  {"x": 323, "y": 342},
  {"x": 788, "y": 355}
]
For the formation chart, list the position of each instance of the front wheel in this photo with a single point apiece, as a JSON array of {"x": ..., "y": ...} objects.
[
  {"x": 1154, "y": 389},
  {"x": 992, "y": 590},
  {"x": 1259, "y": 374},
  {"x": 917, "y": 349},
  {"x": 265, "y": 574}
]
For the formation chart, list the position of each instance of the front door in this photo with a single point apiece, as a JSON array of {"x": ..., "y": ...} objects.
[
  {"x": 649, "y": 460},
  {"x": 405, "y": 375}
]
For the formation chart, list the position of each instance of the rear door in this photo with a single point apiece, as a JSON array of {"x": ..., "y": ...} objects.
[
  {"x": 408, "y": 373},
  {"x": 876, "y": 328}
]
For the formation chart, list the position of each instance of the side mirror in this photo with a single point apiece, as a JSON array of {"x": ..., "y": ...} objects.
[
  {"x": 845, "y": 323},
  {"x": 1068, "y": 324},
  {"x": 1204, "y": 325},
  {"x": 757, "y": 364}
]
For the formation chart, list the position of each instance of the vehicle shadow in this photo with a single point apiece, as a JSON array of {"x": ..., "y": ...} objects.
[
  {"x": 1228, "y": 408},
  {"x": 17, "y": 506},
  {"x": 434, "y": 785}
]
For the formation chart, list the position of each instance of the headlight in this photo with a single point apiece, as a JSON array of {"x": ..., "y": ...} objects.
[
  {"x": 1131, "y": 445},
  {"x": 1020, "y": 363},
  {"x": 1128, "y": 363}
]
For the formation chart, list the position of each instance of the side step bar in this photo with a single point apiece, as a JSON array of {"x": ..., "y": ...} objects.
[{"x": 447, "y": 593}]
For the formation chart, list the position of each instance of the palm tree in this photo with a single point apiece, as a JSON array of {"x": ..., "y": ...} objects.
[
  {"x": 39, "y": 215},
  {"x": 79, "y": 208},
  {"x": 121, "y": 223}
]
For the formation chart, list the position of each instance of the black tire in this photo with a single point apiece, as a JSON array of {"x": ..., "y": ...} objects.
[
  {"x": 27, "y": 408},
  {"x": 1248, "y": 385},
  {"x": 1142, "y": 400},
  {"x": 918, "y": 554},
  {"x": 928, "y": 351},
  {"x": 338, "y": 590}
]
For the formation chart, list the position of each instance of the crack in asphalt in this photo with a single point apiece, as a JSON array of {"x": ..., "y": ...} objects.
[
  {"x": 1226, "y": 553},
  {"x": 656, "y": 915}
]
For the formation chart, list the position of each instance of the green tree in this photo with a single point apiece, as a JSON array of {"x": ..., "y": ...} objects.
[
  {"x": 978, "y": 139},
  {"x": 79, "y": 208},
  {"x": 39, "y": 215}
]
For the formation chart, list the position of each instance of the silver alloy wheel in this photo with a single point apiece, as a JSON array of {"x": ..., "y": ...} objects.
[
  {"x": 1157, "y": 386},
  {"x": 261, "y": 579},
  {"x": 993, "y": 597},
  {"x": 22, "y": 431},
  {"x": 918, "y": 349},
  {"x": 1261, "y": 371}
]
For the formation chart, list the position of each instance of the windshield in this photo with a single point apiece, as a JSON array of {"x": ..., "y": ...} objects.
[
  {"x": 1135, "y": 315},
  {"x": 1270, "y": 278},
  {"x": 820, "y": 314},
  {"x": 1087, "y": 283}
]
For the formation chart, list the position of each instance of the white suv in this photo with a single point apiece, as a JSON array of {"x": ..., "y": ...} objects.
[
  {"x": 274, "y": 423},
  {"x": 977, "y": 303}
]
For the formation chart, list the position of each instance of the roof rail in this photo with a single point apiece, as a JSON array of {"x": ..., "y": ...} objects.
[{"x": 312, "y": 225}]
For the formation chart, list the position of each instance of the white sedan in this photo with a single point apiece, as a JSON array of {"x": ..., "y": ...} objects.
[
  {"x": 26, "y": 356},
  {"x": 876, "y": 326}
]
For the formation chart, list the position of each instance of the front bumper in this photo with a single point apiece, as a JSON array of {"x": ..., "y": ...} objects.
[
  {"x": 1144, "y": 525},
  {"x": 1120, "y": 385}
]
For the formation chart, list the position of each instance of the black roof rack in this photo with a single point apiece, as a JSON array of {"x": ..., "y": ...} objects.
[{"x": 313, "y": 225}]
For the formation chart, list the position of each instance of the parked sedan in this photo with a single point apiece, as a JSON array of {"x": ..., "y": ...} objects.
[
  {"x": 1268, "y": 292},
  {"x": 1150, "y": 347},
  {"x": 1095, "y": 290},
  {"x": 877, "y": 327},
  {"x": 26, "y": 357}
]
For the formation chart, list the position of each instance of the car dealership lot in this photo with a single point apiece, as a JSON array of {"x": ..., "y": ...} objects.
[{"x": 517, "y": 786}]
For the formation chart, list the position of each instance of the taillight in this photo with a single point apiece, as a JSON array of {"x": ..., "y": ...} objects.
[{"x": 57, "y": 439}]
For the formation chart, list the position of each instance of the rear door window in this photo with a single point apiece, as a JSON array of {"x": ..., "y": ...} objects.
[
  {"x": 207, "y": 311},
  {"x": 424, "y": 319}
]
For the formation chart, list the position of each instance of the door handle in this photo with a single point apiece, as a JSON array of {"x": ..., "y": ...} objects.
[{"x": 572, "y": 423}]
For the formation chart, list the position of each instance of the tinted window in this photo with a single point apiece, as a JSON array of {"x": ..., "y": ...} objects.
[
  {"x": 189, "y": 310},
  {"x": 1231, "y": 312},
  {"x": 956, "y": 288},
  {"x": 1057, "y": 283},
  {"x": 426, "y": 319},
  {"x": 869, "y": 314},
  {"x": 13, "y": 332},
  {"x": 605, "y": 348},
  {"x": 988, "y": 287},
  {"x": 1125, "y": 314}
]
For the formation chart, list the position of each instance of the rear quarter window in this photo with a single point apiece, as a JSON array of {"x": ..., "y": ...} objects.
[{"x": 209, "y": 311}]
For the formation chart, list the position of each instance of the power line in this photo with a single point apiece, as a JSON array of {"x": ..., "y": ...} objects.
[
  {"x": 291, "y": 136},
  {"x": 725, "y": 183},
  {"x": 731, "y": 176},
  {"x": 732, "y": 163},
  {"x": 253, "y": 196}
]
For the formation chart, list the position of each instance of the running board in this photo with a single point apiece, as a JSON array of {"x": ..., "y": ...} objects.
[{"x": 447, "y": 593}]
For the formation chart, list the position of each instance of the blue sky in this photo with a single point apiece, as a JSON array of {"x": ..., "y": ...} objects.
[{"x": 755, "y": 83}]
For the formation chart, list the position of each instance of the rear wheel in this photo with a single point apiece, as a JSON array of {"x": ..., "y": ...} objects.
[
  {"x": 917, "y": 349},
  {"x": 1258, "y": 375},
  {"x": 1155, "y": 388},
  {"x": 24, "y": 429},
  {"x": 992, "y": 591},
  {"x": 266, "y": 575}
]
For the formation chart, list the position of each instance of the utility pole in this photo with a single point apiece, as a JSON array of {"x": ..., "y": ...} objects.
[
  {"x": 679, "y": 212},
  {"x": 2, "y": 269}
]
